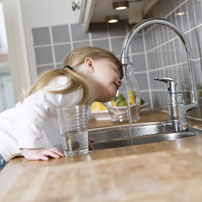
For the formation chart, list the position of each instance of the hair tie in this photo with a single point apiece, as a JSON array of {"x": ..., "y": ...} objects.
[{"x": 67, "y": 66}]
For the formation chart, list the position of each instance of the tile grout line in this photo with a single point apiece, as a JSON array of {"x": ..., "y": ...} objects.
[
  {"x": 90, "y": 38},
  {"x": 147, "y": 68},
  {"x": 70, "y": 36},
  {"x": 109, "y": 37},
  {"x": 52, "y": 47},
  {"x": 168, "y": 14}
]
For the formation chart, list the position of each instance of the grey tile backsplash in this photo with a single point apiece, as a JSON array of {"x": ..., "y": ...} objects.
[
  {"x": 156, "y": 51},
  {"x": 103, "y": 43},
  {"x": 77, "y": 33},
  {"x": 44, "y": 55},
  {"x": 61, "y": 51},
  {"x": 41, "y": 36},
  {"x": 187, "y": 15},
  {"x": 60, "y": 34},
  {"x": 98, "y": 30}
]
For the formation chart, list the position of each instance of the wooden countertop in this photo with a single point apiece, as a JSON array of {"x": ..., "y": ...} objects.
[{"x": 164, "y": 171}]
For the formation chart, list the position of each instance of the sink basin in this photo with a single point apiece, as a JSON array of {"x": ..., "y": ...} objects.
[{"x": 119, "y": 136}]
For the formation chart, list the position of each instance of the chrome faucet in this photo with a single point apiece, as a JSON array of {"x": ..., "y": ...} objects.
[{"x": 176, "y": 104}]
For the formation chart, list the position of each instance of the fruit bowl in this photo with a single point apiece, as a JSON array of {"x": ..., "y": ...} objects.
[
  {"x": 122, "y": 109},
  {"x": 99, "y": 111},
  {"x": 119, "y": 114},
  {"x": 117, "y": 108},
  {"x": 101, "y": 115},
  {"x": 110, "y": 113}
]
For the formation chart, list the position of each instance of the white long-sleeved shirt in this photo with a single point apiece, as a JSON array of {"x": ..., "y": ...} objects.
[{"x": 33, "y": 123}]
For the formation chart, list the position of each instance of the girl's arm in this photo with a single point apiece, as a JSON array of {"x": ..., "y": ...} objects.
[
  {"x": 45, "y": 154},
  {"x": 42, "y": 154},
  {"x": 34, "y": 112}
]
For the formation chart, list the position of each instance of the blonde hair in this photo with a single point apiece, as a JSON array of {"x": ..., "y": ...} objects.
[{"x": 74, "y": 59}]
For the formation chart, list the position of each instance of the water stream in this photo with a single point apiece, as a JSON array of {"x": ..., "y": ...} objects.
[{"x": 128, "y": 106}]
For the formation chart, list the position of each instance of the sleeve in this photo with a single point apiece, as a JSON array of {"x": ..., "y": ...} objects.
[{"x": 34, "y": 112}]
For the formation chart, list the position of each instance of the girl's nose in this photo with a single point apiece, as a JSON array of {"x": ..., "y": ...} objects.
[{"x": 119, "y": 82}]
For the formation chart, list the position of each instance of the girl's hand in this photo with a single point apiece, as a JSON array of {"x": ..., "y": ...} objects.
[
  {"x": 90, "y": 141},
  {"x": 42, "y": 154}
]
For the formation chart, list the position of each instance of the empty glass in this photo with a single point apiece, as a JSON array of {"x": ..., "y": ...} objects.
[{"x": 74, "y": 129}]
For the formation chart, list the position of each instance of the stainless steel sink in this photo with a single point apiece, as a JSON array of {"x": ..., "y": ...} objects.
[{"x": 119, "y": 136}]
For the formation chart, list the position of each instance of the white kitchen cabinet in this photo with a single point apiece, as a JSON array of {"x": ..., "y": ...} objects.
[
  {"x": 39, "y": 13},
  {"x": 97, "y": 10},
  {"x": 87, "y": 8}
]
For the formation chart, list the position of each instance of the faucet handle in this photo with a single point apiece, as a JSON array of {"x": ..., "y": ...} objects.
[
  {"x": 174, "y": 84},
  {"x": 164, "y": 79},
  {"x": 171, "y": 83}
]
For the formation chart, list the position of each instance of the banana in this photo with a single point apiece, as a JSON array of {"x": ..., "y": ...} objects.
[{"x": 97, "y": 106}]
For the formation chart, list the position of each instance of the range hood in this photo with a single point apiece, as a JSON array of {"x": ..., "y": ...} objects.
[{"x": 94, "y": 11}]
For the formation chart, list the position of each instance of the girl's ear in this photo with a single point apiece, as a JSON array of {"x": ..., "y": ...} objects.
[{"x": 89, "y": 64}]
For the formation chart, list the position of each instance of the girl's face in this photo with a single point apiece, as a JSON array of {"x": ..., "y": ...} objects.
[{"x": 107, "y": 78}]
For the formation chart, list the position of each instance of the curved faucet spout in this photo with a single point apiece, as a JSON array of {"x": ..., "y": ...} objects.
[{"x": 182, "y": 36}]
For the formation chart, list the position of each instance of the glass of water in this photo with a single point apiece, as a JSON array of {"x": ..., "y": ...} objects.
[{"x": 73, "y": 129}]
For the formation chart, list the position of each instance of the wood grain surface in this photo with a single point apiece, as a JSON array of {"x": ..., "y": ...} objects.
[
  {"x": 155, "y": 172},
  {"x": 160, "y": 176}
]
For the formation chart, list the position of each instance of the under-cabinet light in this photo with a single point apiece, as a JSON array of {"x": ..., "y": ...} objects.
[
  {"x": 112, "y": 19},
  {"x": 179, "y": 13},
  {"x": 120, "y": 5}
]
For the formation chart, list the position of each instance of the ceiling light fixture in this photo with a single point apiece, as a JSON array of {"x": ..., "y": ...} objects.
[
  {"x": 120, "y": 5},
  {"x": 112, "y": 19}
]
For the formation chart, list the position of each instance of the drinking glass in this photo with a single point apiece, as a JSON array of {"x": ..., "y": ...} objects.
[{"x": 73, "y": 129}]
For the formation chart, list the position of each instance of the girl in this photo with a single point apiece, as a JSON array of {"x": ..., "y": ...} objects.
[{"x": 30, "y": 128}]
